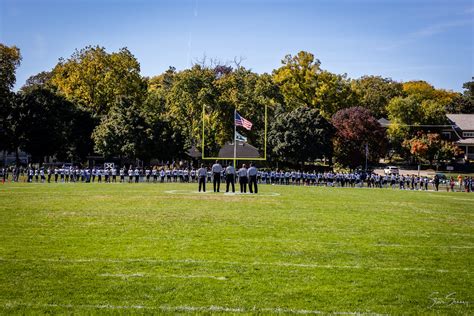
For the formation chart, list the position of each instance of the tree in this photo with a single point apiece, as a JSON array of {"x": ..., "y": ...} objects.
[
  {"x": 430, "y": 147},
  {"x": 10, "y": 59},
  {"x": 303, "y": 83},
  {"x": 79, "y": 141},
  {"x": 10, "y": 123},
  {"x": 301, "y": 135},
  {"x": 38, "y": 122},
  {"x": 166, "y": 142},
  {"x": 404, "y": 113},
  {"x": 424, "y": 106},
  {"x": 334, "y": 93},
  {"x": 191, "y": 90},
  {"x": 469, "y": 89},
  {"x": 46, "y": 126},
  {"x": 405, "y": 110},
  {"x": 356, "y": 128},
  {"x": 374, "y": 93},
  {"x": 463, "y": 103},
  {"x": 219, "y": 90},
  {"x": 421, "y": 91},
  {"x": 40, "y": 80},
  {"x": 249, "y": 93},
  {"x": 298, "y": 80},
  {"x": 123, "y": 131},
  {"x": 94, "y": 79},
  {"x": 433, "y": 112}
]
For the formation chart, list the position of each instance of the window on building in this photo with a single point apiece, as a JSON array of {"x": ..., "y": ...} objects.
[
  {"x": 446, "y": 135},
  {"x": 467, "y": 134}
]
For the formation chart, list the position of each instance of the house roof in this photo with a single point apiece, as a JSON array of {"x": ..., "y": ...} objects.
[
  {"x": 243, "y": 150},
  {"x": 466, "y": 141},
  {"x": 463, "y": 121}
]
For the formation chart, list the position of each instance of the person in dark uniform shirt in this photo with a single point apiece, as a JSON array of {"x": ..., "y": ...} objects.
[{"x": 436, "y": 182}]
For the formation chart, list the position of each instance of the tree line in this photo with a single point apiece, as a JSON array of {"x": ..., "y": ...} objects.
[{"x": 98, "y": 102}]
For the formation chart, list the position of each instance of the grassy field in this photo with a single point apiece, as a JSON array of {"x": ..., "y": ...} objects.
[{"x": 153, "y": 248}]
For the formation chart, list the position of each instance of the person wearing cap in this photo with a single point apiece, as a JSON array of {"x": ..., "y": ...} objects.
[
  {"x": 201, "y": 173},
  {"x": 243, "y": 179},
  {"x": 216, "y": 174},
  {"x": 230, "y": 177},
  {"x": 252, "y": 176}
]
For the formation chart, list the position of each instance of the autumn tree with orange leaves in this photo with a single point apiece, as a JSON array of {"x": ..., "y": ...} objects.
[{"x": 430, "y": 147}]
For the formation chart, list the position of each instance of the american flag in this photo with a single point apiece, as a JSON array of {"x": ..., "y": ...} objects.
[{"x": 240, "y": 121}]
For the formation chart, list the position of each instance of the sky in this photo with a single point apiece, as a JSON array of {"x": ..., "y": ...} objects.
[{"x": 404, "y": 40}]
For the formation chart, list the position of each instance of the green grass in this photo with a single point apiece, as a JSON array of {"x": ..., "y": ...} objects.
[{"x": 133, "y": 248}]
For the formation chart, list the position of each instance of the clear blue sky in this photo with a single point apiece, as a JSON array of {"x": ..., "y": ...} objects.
[{"x": 430, "y": 40}]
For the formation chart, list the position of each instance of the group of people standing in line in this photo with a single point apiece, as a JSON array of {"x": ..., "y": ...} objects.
[
  {"x": 249, "y": 177},
  {"x": 245, "y": 176}
]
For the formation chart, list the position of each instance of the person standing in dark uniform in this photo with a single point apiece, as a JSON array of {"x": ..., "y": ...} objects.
[
  {"x": 202, "y": 178},
  {"x": 243, "y": 179},
  {"x": 216, "y": 175},
  {"x": 49, "y": 174},
  {"x": 252, "y": 173},
  {"x": 436, "y": 182},
  {"x": 230, "y": 178}
]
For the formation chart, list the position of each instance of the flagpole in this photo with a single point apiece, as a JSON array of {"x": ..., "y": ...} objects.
[{"x": 235, "y": 138}]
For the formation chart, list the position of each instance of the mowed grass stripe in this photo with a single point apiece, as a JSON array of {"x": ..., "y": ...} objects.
[
  {"x": 207, "y": 262},
  {"x": 313, "y": 249},
  {"x": 185, "y": 309}
]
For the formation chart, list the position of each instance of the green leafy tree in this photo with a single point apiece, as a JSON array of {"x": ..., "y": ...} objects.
[
  {"x": 303, "y": 83},
  {"x": 248, "y": 93},
  {"x": 94, "y": 79},
  {"x": 434, "y": 112},
  {"x": 79, "y": 141},
  {"x": 463, "y": 103},
  {"x": 10, "y": 59},
  {"x": 219, "y": 90},
  {"x": 374, "y": 93},
  {"x": 334, "y": 93},
  {"x": 123, "y": 132},
  {"x": 301, "y": 135},
  {"x": 46, "y": 123},
  {"x": 298, "y": 80},
  {"x": 11, "y": 124},
  {"x": 191, "y": 90},
  {"x": 405, "y": 110},
  {"x": 165, "y": 143},
  {"x": 357, "y": 128},
  {"x": 41, "y": 80},
  {"x": 39, "y": 123},
  {"x": 469, "y": 89}
]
